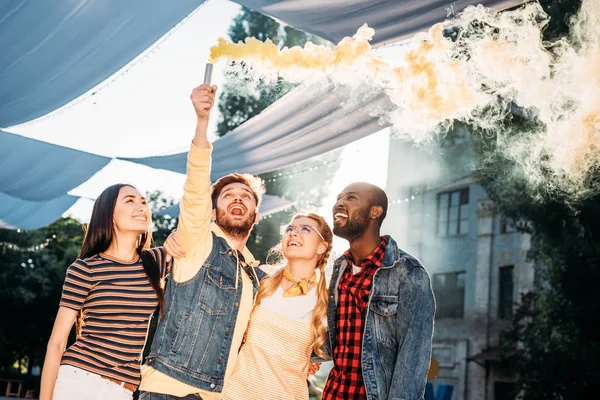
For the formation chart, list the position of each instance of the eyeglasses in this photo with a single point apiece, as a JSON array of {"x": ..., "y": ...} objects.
[{"x": 302, "y": 230}]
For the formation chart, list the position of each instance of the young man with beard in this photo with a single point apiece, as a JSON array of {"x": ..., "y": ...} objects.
[
  {"x": 209, "y": 297},
  {"x": 381, "y": 307}
]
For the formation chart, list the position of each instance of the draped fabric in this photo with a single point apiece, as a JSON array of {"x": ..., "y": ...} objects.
[
  {"x": 35, "y": 177},
  {"x": 392, "y": 20},
  {"x": 38, "y": 171},
  {"x": 23, "y": 214},
  {"x": 307, "y": 122},
  {"x": 54, "y": 51}
]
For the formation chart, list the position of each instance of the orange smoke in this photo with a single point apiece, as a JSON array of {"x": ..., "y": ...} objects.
[
  {"x": 310, "y": 57},
  {"x": 499, "y": 60}
]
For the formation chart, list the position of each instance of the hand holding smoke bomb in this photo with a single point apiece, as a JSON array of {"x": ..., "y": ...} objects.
[{"x": 203, "y": 99}]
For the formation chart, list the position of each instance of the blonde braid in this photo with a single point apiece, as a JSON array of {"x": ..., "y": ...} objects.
[{"x": 319, "y": 313}]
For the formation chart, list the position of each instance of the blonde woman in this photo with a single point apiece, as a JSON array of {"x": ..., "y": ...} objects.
[{"x": 288, "y": 322}]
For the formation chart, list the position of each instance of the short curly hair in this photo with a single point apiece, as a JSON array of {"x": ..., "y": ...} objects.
[{"x": 255, "y": 184}]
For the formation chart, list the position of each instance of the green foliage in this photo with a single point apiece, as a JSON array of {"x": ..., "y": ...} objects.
[
  {"x": 237, "y": 104},
  {"x": 30, "y": 287},
  {"x": 163, "y": 225},
  {"x": 560, "y": 12},
  {"x": 555, "y": 327}
]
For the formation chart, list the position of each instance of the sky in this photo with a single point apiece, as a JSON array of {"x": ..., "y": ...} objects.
[{"x": 147, "y": 112}]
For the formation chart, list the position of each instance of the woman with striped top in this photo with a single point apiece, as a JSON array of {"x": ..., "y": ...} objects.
[
  {"x": 288, "y": 322},
  {"x": 114, "y": 286}
]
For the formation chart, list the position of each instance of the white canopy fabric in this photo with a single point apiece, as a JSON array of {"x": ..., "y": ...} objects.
[
  {"x": 54, "y": 51},
  {"x": 307, "y": 122},
  {"x": 393, "y": 20},
  {"x": 18, "y": 213},
  {"x": 38, "y": 171},
  {"x": 35, "y": 177}
]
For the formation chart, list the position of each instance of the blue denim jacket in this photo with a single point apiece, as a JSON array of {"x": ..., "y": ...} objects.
[
  {"x": 396, "y": 347},
  {"x": 193, "y": 340}
]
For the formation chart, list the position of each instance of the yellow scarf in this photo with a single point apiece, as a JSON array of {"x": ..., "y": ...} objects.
[{"x": 299, "y": 286}]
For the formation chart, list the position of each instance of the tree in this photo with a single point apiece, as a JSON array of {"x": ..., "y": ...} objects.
[
  {"x": 163, "y": 224},
  {"x": 311, "y": 177},
  {"x": 555, "y": 327},
  {"x": 236, "y": 105},
  {"x": 33, "y": 270}
]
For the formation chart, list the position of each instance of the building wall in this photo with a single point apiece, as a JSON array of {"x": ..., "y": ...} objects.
[{"x": 416, "y": 177}]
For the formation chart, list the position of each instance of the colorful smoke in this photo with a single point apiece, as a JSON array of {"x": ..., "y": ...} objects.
[{"x": 476, "y": 68}]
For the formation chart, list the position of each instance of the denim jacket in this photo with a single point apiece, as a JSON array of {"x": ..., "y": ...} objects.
[
  {"x": 193, "y": 340},
  {"x": 396, "y": 347}
]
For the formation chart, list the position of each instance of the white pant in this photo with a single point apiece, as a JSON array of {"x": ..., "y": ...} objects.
[{"x": 76, "y": 384}]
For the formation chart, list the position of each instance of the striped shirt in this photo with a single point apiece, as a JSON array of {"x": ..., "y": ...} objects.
[
  {"x": 273, "y": 362},
  {"x": 116, "y": 301}
]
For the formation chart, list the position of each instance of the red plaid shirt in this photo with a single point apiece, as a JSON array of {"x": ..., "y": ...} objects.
[{"x": 345, "y": 379}]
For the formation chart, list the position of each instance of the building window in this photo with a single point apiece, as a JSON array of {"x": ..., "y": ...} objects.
[
  {"x": 449, "y": 290},
  {"x": 505, "y": 292},
  {"x": 444, "y": 355},
  {"x": 453, "y": 218}
]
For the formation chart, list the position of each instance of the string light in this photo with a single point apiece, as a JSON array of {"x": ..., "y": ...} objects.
[
  {"x": 30, "y": 249},
  {"x": 404, "y": 200},
  {"x": 293, "y": 174},
  {"x": 413, "y": 196},
  {"x": 271, "y": 215}
]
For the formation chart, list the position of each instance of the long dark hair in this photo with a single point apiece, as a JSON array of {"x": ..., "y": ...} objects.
[{"x": 100, "y": 233}]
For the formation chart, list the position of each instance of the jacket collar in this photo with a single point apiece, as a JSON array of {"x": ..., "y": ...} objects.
[
  {"x": 391, "y": 255},
  {"x": 248, "y": 257},
  {"x": 390, "y": 258}
]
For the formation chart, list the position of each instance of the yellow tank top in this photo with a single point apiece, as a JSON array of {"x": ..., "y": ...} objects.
[{"x": 273, "y": 362}]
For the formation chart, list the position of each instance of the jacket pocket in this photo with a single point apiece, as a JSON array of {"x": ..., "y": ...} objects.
[
  {"x": 384, "y": 307},
  {"x": 182, "y": 330},
  {"x": 385, "y": 314},
  {"x": 216, "y": 293}
]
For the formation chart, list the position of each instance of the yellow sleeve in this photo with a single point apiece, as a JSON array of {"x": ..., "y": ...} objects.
[{"x": 194, "y": 215}]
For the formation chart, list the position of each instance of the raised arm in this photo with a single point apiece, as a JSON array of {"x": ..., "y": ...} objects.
[
  {"x": 412, "y": 362},
  {"x": 203, "y": 98},
  {"x": 193, "y": 229}
]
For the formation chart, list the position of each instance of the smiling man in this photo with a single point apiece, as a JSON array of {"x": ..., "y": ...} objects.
[
  {"x": 381, "y": 307},
  {"x": 209, "y": 298}
]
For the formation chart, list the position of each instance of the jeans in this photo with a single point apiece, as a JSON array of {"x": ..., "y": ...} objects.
[
  {"x": 159, "y": 396},
  {"x": 76, "y": 384}
]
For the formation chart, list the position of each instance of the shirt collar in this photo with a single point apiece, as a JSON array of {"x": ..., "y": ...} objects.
[
  {"x": 376, "y": 256},
  {"x": 248, "y": 258}
]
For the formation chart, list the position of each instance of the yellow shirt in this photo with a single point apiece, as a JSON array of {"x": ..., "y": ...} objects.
[{"x": 194, "y": 230}]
